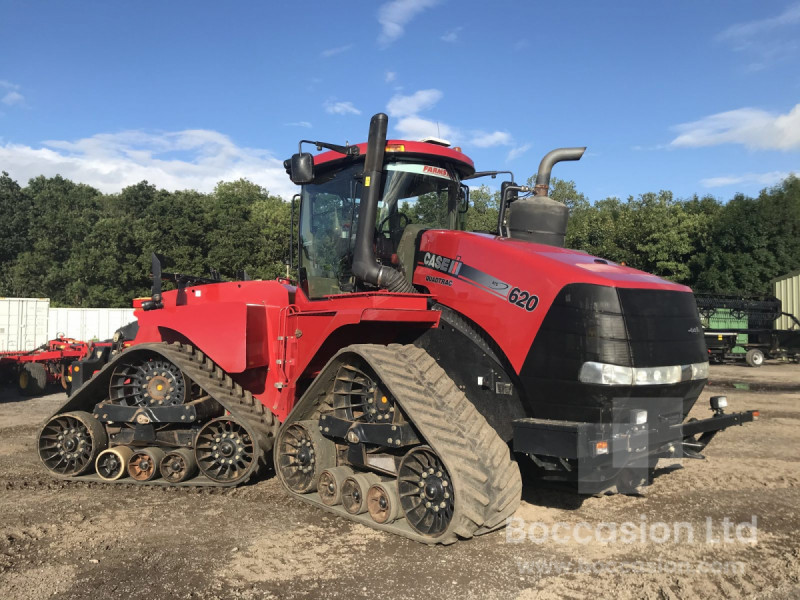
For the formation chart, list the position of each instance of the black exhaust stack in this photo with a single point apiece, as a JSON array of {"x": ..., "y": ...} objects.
[
  {"x": 365, "y": 265},
  {"x": 541, "y": 219}
]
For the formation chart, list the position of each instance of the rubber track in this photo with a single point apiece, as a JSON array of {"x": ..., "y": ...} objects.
[
  {"x": 216, "y": 383},
  {"x": 486, "y": 480}
]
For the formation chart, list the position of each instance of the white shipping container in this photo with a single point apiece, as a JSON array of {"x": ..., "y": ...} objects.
[
  {"x": 87, "y": 324},
  {"x": 23, "y": 323}
]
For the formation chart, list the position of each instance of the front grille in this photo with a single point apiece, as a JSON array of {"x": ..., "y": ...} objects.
[{"x": 626, "y": 327}]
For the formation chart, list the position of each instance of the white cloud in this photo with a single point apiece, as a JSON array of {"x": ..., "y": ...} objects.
[
  {"x": 410, "y": 125},
  {"x": 305, "y": 124},
  {"x": 517, "y": 151},
  {"x": 334, "y": 51},
  {"x": 415, "y": 128},
  {"x": 790, "y": 16},
  {"x": 406, "y": 106},
  {"x": 395, "y": 15},
  {"x": 13, "y": 97},
  {"x": 452, "y": 35},
  {"x": 765, "y": 42},
  {"x": 190, "y": 159},
  {"x": 751, "y": 127},
  {"x": 340, "y": 108},
  {"x": 771, "y": 178},
  {"x": 487, "y": 140},
  {"x": 390, "y": 76}
]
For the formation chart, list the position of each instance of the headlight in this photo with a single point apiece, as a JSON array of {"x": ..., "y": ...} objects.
[
  {"x": 719, "y": 402},
  {"x": 594, "y": 372},
  {"x": 605, "y": 374},
  {"x": 700, "y": 370}
]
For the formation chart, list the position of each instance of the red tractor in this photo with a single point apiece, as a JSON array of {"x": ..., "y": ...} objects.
[{"x": 411, "y": 369}]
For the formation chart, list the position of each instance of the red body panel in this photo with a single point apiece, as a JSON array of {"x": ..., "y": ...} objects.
[
  {"x": 507, "y": 265},
  {"x": 253, "y": 331}
]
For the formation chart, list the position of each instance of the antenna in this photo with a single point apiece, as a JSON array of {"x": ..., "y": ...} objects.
[{"x": 438, "y": 133}]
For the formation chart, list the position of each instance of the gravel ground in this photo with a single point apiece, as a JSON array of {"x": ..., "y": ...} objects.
[{"x": 77, "y": 540}]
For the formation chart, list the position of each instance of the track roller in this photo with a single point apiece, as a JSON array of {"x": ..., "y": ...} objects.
[
  {"x": 178, "y": 465},
  {"x": 143, "y": 465},
  {"x": 354, "y": 492},
  {"x": 112, "y": 463},
  {"x": 330, "y": 484},
  {"x": 69, "y": 443},
  {"x": 303, "y": 453},
  {"x": 383, "y": 501}
]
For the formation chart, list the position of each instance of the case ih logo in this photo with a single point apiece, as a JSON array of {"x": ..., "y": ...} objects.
[{"x": 435, "y": 171}]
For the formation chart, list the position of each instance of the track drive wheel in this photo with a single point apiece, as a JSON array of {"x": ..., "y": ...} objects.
[
  {"x": 227, "y": 451},
  {"x": 143, "y": 465},
  {"x": 69, "y": 443},
  {"x": 112, "y": 463},
  {"x": 152, "y": 382},
  {"x": 178, "y": 465},
  {"x": 303, "y": 454},
  {"x": 426, "y": 491}
]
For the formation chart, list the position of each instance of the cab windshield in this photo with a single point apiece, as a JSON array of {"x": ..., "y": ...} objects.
[{"x": 416, "y": 196}]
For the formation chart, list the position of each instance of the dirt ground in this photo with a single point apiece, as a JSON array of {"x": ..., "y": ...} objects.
[{"x": 77, "y": 540}]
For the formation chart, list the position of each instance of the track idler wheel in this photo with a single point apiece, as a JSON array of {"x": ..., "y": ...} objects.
[
  {"x": 178, "y": 465},
  {"x": 143, "y": 465},
  {"x": 226, "y": 451},
  {"x": 426, "y": 491},
  {"x": 69, "y": 443},
  {"x": 354, "y": 492},
  {"x": 303, "y": 454},
  {"x": 112, "y": 463},
  {"x": 383, "y": 502},
  {"x": 330, "y": 485}
]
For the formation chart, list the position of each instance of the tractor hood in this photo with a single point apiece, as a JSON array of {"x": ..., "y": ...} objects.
[{"x": 507, "y": 286}]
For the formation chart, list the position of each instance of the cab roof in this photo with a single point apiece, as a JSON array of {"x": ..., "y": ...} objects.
[{"x": 461, "y": 161}]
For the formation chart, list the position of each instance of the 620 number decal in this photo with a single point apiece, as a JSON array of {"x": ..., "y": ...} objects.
[{"x": 523, "y": 299}]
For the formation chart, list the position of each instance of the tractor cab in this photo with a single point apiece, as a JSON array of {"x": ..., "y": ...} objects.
[{"x": 420, "y": 188}]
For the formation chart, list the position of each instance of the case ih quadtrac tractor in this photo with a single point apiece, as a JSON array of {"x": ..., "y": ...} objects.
[{"x": 411, "y": 369}]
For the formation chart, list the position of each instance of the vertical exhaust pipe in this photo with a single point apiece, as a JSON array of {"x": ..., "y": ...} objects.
[
  {"x": 542, "y": 187},
  {"x": 365, "y": 264}
]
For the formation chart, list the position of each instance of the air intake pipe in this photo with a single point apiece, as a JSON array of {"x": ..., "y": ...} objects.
[
  {"x": 541, "y": 219},
  {"x": 365, "y": 265}
]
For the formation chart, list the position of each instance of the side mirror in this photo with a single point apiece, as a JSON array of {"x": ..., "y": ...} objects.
[
  {"x": 510, "y": 195},
  {"x": 301, "y": 168}
]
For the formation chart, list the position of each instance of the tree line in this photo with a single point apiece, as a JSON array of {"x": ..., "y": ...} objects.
[{"x": 80, "y": 247}]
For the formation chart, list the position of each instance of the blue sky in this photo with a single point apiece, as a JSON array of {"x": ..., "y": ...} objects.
[{"x": 695, "y": 97}]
